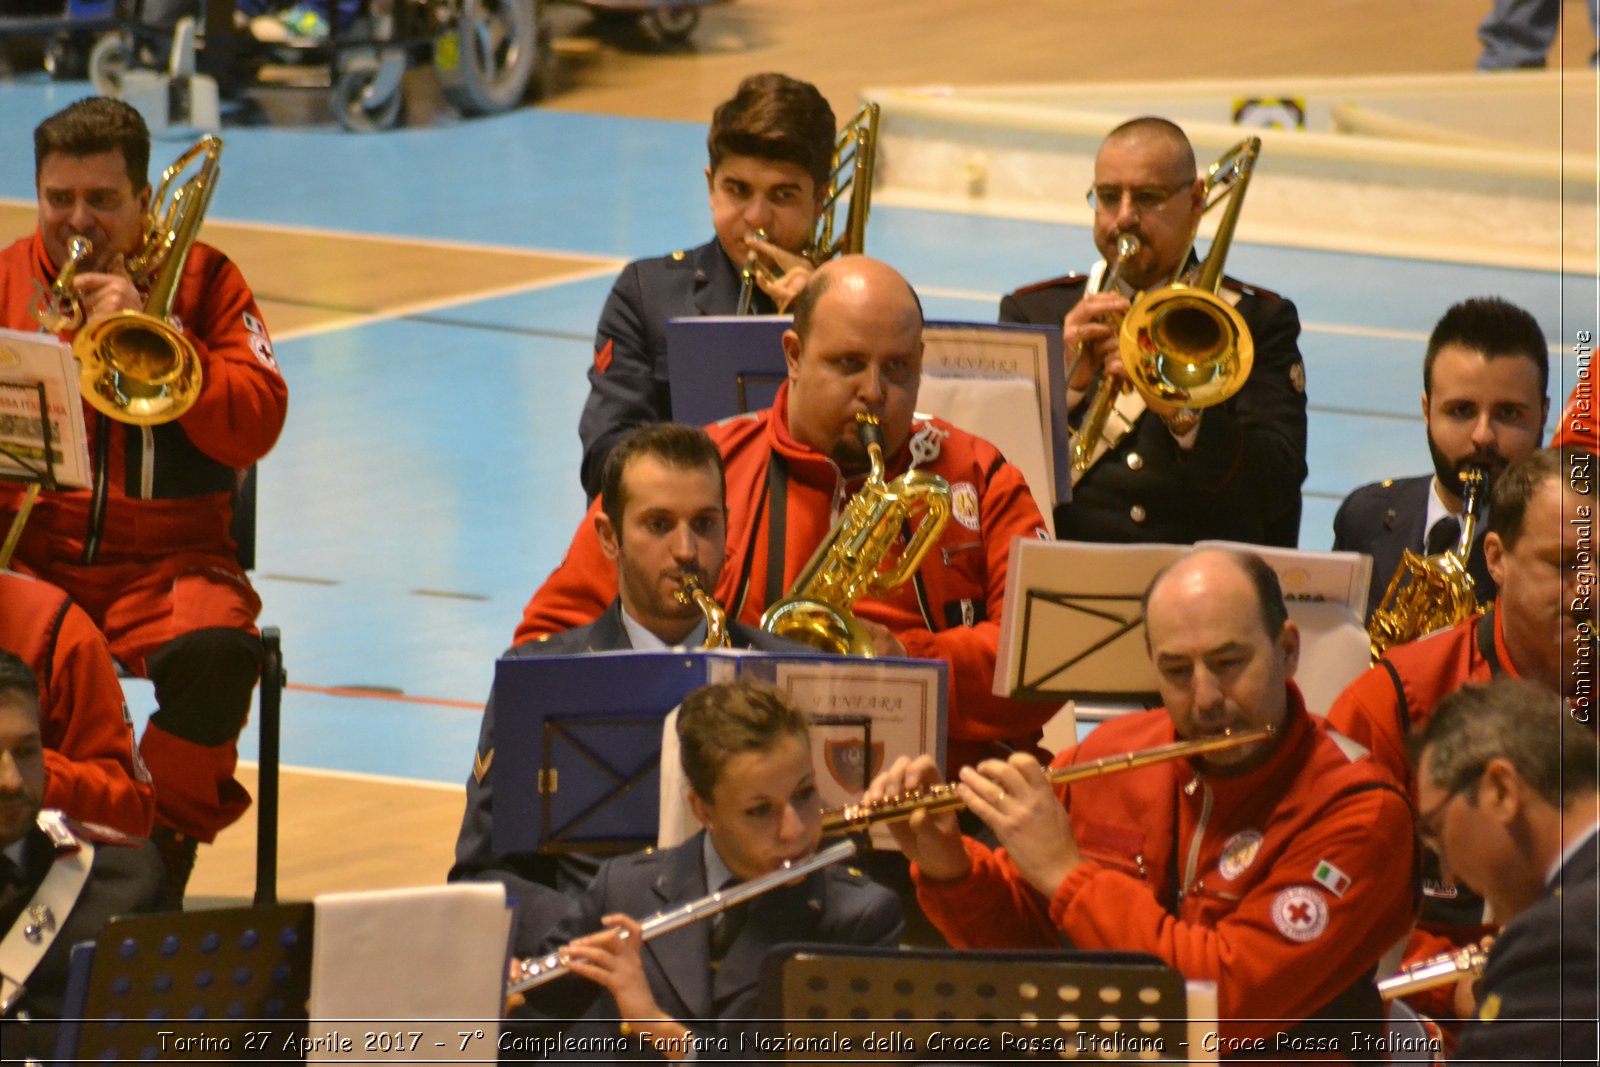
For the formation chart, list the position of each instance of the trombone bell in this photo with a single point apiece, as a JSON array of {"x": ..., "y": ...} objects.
[{"x": 138, "y": 369}]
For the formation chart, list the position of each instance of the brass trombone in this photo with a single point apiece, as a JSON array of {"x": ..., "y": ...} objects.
[
  {"x": 690, "y": 591},
  {"x": 58, "y": 309},
  {"x": 1183, "y": 345},
  {"x": 137, "y": 367},
  {"x": 1428, "y": 593},
  {"x": 854, "y": 817},
  {"x": 1105, "y": 397},
  {"x": 849, "y": 562},
  {"x": 849, "y": 182}
]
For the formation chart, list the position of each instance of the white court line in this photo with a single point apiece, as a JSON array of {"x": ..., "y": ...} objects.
[
  {"x": 431, "y": 242},
  {"x": 424, "y": 306},
  {"x": 359, "y": 776}
]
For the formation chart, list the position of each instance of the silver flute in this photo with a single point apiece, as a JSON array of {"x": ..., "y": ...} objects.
[
  {"x": 1434, "y": 971},
  {"x": 533, "y": 972}
]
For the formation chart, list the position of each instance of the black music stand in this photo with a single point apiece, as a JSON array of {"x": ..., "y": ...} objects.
[
  {"x": 976, "y": 1006},
  {"x": 221, "y": 984}
]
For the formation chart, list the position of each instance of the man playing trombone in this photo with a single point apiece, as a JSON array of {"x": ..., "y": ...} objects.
[
  {"x": 1280, "y": 870},
  {"x": 747, "y": 756},
  {"x": 771, "y": 148},
  {"x": 147, "y": 550},
  {"x": 1161, "y": 473}
]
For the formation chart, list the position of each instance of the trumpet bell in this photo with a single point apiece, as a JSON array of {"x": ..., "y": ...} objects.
[
  {"x": 138, "y": 369},
  {"x": 1190, "y": 348}
]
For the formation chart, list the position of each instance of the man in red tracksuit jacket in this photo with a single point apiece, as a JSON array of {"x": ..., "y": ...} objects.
[
  {"x": 145, "y": 550},
  {"x": 1281, "y": 870},
  {"x": 856, "y": 347},
  {"x": 1537, "y": 510},
  {"x": 92, "y": 771}
]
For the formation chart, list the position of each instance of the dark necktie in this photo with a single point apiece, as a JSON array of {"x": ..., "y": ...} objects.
[
  {"x": 1444, "y": 536},
  {"x": 725, "y": 929}
]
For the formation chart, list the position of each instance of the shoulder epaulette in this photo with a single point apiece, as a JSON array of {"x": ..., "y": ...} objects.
[{"x": 1066, "y": 281}]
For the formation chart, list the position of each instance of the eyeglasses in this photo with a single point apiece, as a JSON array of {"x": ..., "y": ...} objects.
[
  {"x": 1428, "y": 829},
  {"x": 1145, "y": 197}
]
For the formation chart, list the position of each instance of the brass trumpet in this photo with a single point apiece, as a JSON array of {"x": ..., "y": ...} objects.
[
  {"x": 1428, "y": 593},
  {"x": 1433, "y": 972},
  {"x": 531, "y": 973},
  {"x": 137, "y": 367},
  {"x": 854, "y": 817},
  {"x": 58, "y": 309},
  {"x": 848, "y": 564},
  {"x": 692, "y": 592}
]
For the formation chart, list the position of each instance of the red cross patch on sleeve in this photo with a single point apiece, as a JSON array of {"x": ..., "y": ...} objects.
[{"x": 602, "y": 358}]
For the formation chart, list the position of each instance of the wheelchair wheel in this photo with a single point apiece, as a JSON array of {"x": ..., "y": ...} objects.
[
  {"x": 673, "y": 24},
  {"x": 108, "y": 62},
  {"x": 487, "y": 60},
  {"x": 354, "y": 107}
]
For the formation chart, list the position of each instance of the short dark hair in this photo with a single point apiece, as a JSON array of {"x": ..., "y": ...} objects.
[
  {"x": 804, "y": 307},
  {"x": 1263, "y": 579},
  {"x": 776, "y": 118},
  {"x": 1514, "y": 720},
  {"x": 718, "y": 722},
  {"x": 678, "y": 446},
  {"x": 1515, "y": 488},
  {"x": 91, "y": 126},
  {"x": 1155, "y": 126},
  {"x": 1493, "y": 327},
  {"x": 17, "y": 678}
]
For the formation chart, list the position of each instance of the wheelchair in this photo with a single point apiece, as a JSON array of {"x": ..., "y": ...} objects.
[{"x": 488, "y": 54}]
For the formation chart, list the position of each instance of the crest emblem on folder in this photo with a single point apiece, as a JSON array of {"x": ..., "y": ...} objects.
[{"x": 844, "y": 762}]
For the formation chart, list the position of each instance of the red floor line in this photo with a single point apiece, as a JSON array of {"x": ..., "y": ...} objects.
[{"x": 371, "y": 694}]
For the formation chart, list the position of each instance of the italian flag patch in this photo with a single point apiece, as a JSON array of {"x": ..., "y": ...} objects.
[{"x": 1331, "y": 878}]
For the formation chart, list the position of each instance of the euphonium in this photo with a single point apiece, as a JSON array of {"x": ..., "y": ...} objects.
[
  {"x": 58, "y": 308},
  {"x": 1428, "y": 593},
  {"x": 136, "y": 366},
  {"x": 692, "y": 592},
  {"x": 849, "y": 562},
  {"x": 1094, "y": 418}
]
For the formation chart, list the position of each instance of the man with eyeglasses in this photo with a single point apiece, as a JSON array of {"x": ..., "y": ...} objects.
[
  {"x": 1165, "y": 474},
  {"x": 1506, "y": 794},
  {"x": 1540, "y": 551}
]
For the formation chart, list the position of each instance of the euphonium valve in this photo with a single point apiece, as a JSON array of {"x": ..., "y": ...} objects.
[
  {"x": 850, "y": 561},
  {"x": 692, "y": 592},
  {"x": 58, "y": 309},
  {"x": 1428, "y": 593},
  {"x": 137, "y": 367}
]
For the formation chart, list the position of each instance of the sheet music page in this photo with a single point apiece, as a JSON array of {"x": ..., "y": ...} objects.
[
  {"x": 1320, "y": 577},
  {"x": 990, "y": 350},
  {"x": 27, "y": 359}
]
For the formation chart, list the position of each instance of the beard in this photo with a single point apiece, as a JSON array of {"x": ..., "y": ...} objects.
[{"x": 1449, "y": 473}]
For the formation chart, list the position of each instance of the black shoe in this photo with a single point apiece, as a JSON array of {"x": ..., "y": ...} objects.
[{"x": 177, "y": 856}]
